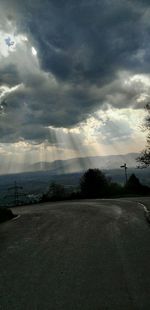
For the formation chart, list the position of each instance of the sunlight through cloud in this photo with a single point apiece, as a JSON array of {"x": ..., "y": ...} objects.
[{"x": 34, "y": 52}]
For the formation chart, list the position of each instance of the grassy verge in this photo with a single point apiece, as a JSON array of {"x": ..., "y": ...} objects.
[{"x": 6, "y": 214}]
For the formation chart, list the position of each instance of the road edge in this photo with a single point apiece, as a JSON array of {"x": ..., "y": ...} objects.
[{"x": 146, "y": 211}]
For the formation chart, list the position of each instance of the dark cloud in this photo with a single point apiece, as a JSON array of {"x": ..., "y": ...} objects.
[
  {"x": 108, "y": 32},
  {"x": 9, "y": 75},
  {"x": 82, "y": 48}
]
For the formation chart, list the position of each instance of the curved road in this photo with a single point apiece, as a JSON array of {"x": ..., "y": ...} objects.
[{"x": 86, "y": 255}]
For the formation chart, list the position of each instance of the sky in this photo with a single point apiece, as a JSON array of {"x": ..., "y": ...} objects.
[{"x": 74, "y": 78}]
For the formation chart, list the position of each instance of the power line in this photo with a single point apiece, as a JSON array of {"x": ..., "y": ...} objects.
[{"x": 16, "y": 193}]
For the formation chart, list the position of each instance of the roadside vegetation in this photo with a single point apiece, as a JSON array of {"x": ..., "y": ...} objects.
[
  {"x": 94, "y": 184},
  {"x": 6, "y": 214}
]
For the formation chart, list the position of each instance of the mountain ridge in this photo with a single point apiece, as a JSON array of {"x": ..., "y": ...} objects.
[
  {"x": 82, "y": 163},
  {"x": 71, "y": 165}
]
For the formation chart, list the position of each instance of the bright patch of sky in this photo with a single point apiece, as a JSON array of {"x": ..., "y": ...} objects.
[
  {"x": 34, "y": 52},
  {"x": 9, "y": 42}
]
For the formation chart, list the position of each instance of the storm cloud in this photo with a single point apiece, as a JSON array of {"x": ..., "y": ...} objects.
[{"x": 89, "y": 55}]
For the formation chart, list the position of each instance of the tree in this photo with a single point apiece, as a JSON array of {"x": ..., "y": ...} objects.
[
  {"x": 94, "y": 184},
  {"x": 134, "y": 186},
  {"x": 115, "y": 189},
  {"x": 55, "y": 192},
  {"x": 144, "y": 158}
]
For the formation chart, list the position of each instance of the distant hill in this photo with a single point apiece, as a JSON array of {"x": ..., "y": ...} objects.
[
  {"x": 70, "y": 165},
  {"x": 83, "y": 163}
]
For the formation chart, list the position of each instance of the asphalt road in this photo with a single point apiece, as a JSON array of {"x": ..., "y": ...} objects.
[{"x": 83, "y": 255}]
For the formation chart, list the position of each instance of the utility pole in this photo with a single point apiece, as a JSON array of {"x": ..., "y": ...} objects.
[
  {"x": 16, "y": 194},
  {"x": 125, "y": 170}
]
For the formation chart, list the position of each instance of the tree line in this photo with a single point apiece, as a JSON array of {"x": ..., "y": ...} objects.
[{"x": 94, "y": 184}]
